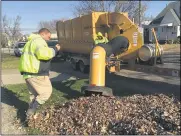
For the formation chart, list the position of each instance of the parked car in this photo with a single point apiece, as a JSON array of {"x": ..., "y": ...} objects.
[
  {"x": 18, "y": 48},
  {"x": 52, "y": 43}
]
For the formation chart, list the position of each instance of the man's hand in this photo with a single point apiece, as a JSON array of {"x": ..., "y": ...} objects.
[{"x": 58, "y": 46}]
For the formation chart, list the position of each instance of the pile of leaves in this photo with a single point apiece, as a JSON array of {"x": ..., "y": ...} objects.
[{"x": 99, "y": 115}]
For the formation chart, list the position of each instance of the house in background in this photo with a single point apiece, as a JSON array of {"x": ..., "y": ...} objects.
[{"x": 166, "y": 24}]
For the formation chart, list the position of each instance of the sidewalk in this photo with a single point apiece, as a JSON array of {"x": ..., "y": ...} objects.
[{"x": 14, "y": 77}]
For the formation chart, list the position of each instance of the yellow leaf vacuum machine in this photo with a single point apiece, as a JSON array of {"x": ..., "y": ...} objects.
[{"x": 76, "y": 37}]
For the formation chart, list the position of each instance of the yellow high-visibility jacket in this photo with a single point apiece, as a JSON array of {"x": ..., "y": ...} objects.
[
  {"x": 103, "y": 40},
  {"x": 36, "y": 56}
]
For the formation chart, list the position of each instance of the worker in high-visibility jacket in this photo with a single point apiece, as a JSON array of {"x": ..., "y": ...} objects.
[
  {"x": 34, "y": 66},
  {"x": 100, "y": 39}
]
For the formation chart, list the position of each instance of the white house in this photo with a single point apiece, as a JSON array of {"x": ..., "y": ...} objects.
[{"x": 166, "y": 24}]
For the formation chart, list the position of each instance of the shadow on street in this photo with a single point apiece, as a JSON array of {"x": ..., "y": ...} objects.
[{"x": 126, "y": 86}]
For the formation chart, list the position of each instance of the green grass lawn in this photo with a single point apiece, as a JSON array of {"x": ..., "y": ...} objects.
[
  {"x": 167, "y": 47},
  {"x": 12, "y": 62},
  {"x": 9, "y": 61}
]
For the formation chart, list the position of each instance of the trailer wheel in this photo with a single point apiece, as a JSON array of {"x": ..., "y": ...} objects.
[
  {"x": 83, "y": 68},
  {"x": 74, "y": 64}
]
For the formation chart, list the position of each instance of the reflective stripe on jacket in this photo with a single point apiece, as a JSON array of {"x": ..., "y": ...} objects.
[{"x": 36, "y": 56}]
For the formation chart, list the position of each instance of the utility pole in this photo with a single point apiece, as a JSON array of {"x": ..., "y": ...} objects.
[
  {"x": 103, "y": 5},
  {"x": 140, "y": 13},
  {"x": 91, "y": 6}
]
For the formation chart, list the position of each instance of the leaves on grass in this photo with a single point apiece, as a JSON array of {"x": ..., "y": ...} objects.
[{"x": 137, "y": 114}]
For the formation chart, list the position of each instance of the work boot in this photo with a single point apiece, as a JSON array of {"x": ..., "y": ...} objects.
[{"x": 31, "y": 110}]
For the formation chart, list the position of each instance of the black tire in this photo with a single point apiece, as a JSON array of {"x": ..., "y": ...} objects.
[
  {"x": 74, "y": 64},
  {"x": 151, "y": 61},
  {"x": 83, "y": 68},
  {"x": 139, "y": 61}
]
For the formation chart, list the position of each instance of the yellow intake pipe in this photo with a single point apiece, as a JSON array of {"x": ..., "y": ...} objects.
[
  {"x": 97, "y": 66},
  {"x": 97, "y": 74}
]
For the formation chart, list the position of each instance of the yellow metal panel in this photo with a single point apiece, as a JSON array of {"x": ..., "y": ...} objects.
[
  {"x": 79, "y": 48},
  {"x": 120, "y": 21},
  {"x": 77, "y": 28},
  {"x": 99, "y": 20},
  {"x": 60, "y": 30},
  {"x": 68, "y": 30},
  {"x": 87, "y": 32},
  {"x": 86, "y": 27}
]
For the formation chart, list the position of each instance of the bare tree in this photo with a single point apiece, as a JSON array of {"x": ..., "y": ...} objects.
[
  {"x": 4, "y": 40},
  {"x": 132, "y": 7},
  {"x": 11, "y": 27},
  {"x": 51, "y": 25},
  {"x": 86, "y": 7}
]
